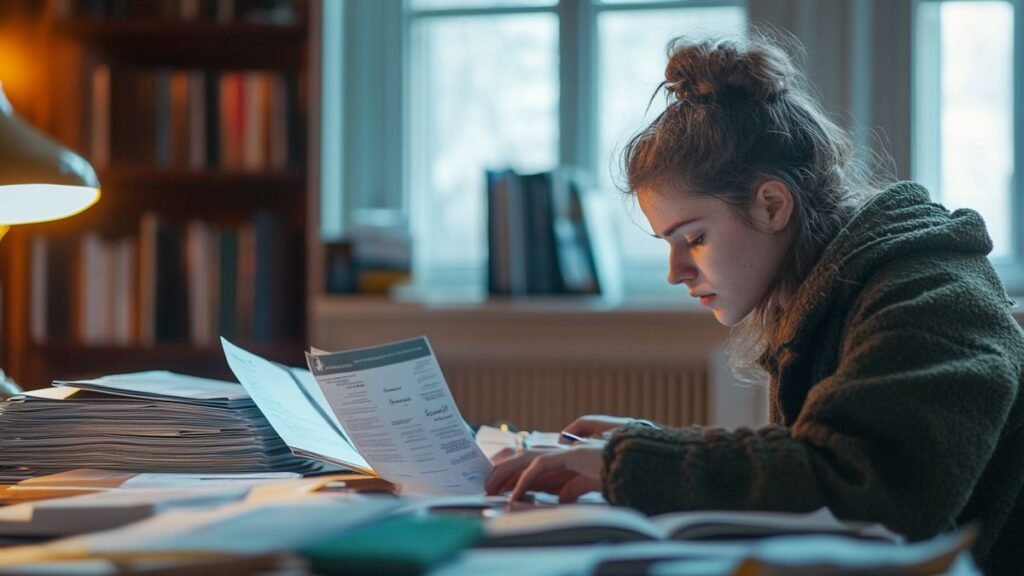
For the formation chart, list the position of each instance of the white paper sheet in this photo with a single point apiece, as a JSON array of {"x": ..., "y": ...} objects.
[
  {"x": 162, "y": 480},
  {"x": 302, "y": 427},
  {"x": 492, "y": 440},
  {"x": 400, "y": 415},
  {"x": 166, "y": 386},
  {"x": 241, "y": 528}
]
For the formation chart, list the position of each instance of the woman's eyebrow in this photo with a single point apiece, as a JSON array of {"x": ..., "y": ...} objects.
[{"x": 671, "y": 229}]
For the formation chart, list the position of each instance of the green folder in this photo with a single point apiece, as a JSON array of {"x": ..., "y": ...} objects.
[{"x": 399, "y": 545}]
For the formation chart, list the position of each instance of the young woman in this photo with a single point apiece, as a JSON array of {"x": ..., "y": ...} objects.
[{"x": 893, "y": 356}]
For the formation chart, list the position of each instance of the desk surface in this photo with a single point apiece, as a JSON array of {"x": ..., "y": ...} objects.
[{"x": 333, "y": 513}]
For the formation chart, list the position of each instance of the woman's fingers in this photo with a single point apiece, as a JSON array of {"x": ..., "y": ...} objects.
[
  {"x": 582, "y": 427},
  {"x": 584, "y": 460},
  {"x": 503, "y": 454},
  {"x": 539, "y": 466},
  {"x": 594, "y": 425},
  {"x": 509, "y": 483},
  {"x": 504, "y": 470},
  {"x": 551, "y": 482},
  {"x": 578, "y": 486}
]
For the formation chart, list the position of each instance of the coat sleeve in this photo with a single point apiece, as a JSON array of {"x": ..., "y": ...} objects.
[{"x": 899, "y": 433}]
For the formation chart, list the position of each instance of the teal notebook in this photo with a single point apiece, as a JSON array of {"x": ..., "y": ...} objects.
[{"x": 400, "y": 545}]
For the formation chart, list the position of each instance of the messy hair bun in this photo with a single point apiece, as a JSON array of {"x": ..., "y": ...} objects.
[
  {"x": 741, "y": 113},
  {"x": 710, "y": 70}
]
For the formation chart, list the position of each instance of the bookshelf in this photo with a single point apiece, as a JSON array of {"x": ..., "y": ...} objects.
[{"x": 195, "y": 114}]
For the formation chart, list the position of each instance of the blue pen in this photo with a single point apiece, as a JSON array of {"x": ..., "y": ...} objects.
[{"x": 572, "y": 437}]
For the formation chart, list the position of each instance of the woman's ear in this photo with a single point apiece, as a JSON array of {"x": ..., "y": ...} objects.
[{"x": 773, "y": 206}]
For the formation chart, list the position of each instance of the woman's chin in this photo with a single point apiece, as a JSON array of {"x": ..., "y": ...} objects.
[{"x": 725, "y": 317}]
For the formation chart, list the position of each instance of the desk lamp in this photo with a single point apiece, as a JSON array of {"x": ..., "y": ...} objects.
[{"x": 40, "y": 180}]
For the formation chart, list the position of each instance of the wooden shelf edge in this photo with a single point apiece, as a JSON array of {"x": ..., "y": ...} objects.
[
  {"x": 147, "y": 175},
  {"x": 160, "y": 30}
]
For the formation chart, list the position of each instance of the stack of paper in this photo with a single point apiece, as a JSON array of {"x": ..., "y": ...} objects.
[{"x": 143, "y": 422}]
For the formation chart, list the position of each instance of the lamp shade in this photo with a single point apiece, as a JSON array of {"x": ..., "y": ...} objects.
[{"x": 39, "y": 179}]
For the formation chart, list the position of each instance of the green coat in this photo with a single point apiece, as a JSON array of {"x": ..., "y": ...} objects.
[{"x": 894, "y": 398}]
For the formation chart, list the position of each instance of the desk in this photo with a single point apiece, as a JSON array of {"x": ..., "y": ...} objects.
[{"x": 266, "y": 534}]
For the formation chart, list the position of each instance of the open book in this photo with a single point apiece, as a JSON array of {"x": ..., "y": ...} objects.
[{"x": 582, "y": 524}]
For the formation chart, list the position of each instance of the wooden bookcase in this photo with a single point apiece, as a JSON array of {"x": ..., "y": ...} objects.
[{"x": 261, "y": 199}]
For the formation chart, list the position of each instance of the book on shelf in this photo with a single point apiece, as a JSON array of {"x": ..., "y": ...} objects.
[
  {"x": 202, "y": 261},
  {"x": 220, "y": 11},
  {"x": 541, "y": 235},
  {"x": 99, "y": 144},
  {"x": 246, "y": 121},
  {"x": 172, "y": 282}
]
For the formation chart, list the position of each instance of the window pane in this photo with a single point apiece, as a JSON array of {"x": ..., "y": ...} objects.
[
  {"x": 483, "y": 94},
  {"x": 974, "y": 112},
  {"x": 442, "y": 4},
  {"x": 633, "y": 1},
  {"x": 631, "y": 65}
]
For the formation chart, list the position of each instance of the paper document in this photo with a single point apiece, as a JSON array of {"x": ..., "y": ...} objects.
[
  {"x": 166, "y": 386},
  {"x": 399, "y": 413},
  {"x": 493, "y": 440},
  {"x": 239, "y": 528},
  {"x": 292, "y": 411},
  {"x": 107, "y": 509},
  {"x": 162, "y": 480},
  {"x": 153, "y": 421}
]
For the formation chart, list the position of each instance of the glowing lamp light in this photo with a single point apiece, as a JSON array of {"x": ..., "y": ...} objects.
[{"x": 40, "y": 180}]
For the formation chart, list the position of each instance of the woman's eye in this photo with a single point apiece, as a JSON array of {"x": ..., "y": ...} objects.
[{"x": 698, "y": 241}]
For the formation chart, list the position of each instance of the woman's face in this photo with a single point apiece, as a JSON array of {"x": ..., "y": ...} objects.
[{"x": 722, "y": 260}]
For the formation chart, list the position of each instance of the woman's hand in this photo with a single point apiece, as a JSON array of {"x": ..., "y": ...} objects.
[
  {"x": 570, "y": 473},
  {"x": 595, "y": 425}
]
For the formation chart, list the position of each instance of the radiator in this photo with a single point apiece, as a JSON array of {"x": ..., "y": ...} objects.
[{"x": 549, "y": 394}]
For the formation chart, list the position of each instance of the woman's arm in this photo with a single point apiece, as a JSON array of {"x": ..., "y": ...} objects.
[{"x": 900, "y": 433}]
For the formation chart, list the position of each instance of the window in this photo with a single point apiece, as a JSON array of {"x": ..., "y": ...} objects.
[
  {"x": 487, "y": 89},
  {"x": 482, "y": 94},
  {"x": 966, "y": 132},
  {"x": 631, "y": 65},
  {"x": 434, "y": 92}
]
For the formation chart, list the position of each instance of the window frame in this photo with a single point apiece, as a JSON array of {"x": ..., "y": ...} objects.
[{"x": 926, "y": 118}]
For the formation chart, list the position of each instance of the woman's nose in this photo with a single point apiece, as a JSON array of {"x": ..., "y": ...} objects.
[{"x": 680, "y": 269}]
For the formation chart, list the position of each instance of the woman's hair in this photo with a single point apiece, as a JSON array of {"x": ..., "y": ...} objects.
[{"x": 739, "y": 114}]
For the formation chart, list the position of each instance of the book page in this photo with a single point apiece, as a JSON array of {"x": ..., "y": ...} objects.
[
  {"x": 755, "y": 524},
  {"x": 568, "y": 525},
  {"x": 399, "y": 413},
  {"x": 301, "y": 426}
]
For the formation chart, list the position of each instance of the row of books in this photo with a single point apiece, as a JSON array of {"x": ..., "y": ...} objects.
[
  {"x": 195, "y": 119},
  {"x": 168, "y": 284},
  {"x": 538, "y": 237},
  {"x": 276, "y": 11}
]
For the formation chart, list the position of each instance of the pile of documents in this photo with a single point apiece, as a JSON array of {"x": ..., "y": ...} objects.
[{"x": 148, "y": 421}]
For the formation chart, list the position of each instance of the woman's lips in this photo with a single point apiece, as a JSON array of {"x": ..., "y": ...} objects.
[{"x": 707, "y": 300}]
